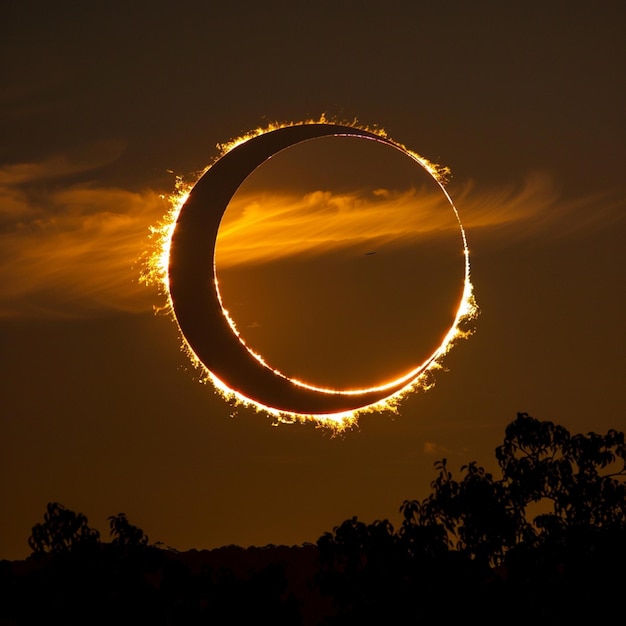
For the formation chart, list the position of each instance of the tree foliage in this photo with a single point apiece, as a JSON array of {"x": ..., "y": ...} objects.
[
  {"x": 126, "y": 534},
  {"x": 581, "y": 477},
  {"x": 578, "y": 480},
  {"x": 62, "y": 531},
  {"x": 553, "y": 525},
  {"x": 550, "y": 528}
]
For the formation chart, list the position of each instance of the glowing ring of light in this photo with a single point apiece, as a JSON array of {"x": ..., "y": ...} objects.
[{"x": 196, "y": 299}]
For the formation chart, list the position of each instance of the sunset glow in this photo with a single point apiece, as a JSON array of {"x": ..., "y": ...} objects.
[{"x": 419, "y": 378}]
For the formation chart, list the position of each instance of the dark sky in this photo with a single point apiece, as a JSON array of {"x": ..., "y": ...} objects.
[{"x": 103, "y": 104}]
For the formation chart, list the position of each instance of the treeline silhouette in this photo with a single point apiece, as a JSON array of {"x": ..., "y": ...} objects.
[{"x": 545, "y": 542}]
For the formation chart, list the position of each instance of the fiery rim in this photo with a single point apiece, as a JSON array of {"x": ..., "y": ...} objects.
[{"x": 420, "y": 378}]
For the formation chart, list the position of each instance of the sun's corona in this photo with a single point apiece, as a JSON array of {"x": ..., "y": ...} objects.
[{"x": 185, "y": 266}]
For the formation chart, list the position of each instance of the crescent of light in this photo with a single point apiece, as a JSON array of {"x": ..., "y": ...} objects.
[{"x": 196, "y": 299}]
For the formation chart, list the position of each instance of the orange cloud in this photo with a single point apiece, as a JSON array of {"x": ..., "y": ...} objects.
[
  {"x": 536, "y": 208},
  {"x": 72, "y": 250},
  {"x": 80, "y": 160},
  {"x": 432, "y": 448},
  {"x": 274, "y": 225},
  {"x": 264, "y": 228}
]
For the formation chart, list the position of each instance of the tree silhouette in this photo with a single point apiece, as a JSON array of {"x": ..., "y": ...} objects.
[
  {"x": 582, "y": 478},
  {"x": 62, "y": 531},
  {"x": 476, "y": 540},
  {"x": 356, "y": 562},
  {"x": 126, "y": 534},
  {"x": 579, "y": 480},
  {"x": 547, "y": 537},
  {"x": 474, "y": 511}
]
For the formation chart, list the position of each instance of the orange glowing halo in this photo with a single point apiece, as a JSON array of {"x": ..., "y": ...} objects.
[{"x": 196, "y": 299}]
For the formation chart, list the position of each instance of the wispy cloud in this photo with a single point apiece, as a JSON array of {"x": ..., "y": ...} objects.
[
  {"x": 271, "y": 226},
  {"x": 263, "y": 228},
  {"x": 71, "y": 249},
  {"x": 80, "y": 160},
  {"x": 431, "y": 448},
  {"x": 536, "y": 207}
]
